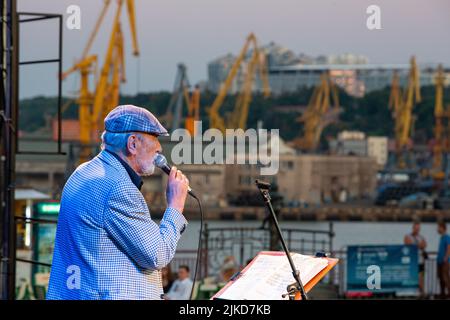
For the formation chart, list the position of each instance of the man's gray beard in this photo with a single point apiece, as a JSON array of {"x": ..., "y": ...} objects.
[{"x": 149, "y": 170}]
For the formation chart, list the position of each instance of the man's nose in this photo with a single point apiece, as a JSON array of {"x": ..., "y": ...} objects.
[{"x": 159, "y": 148}]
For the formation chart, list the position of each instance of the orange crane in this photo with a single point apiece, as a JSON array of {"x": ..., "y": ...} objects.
[
  {"x": 193, "y": 111},
  {"x": 239, "y": 116},
  {"x": 318, "y": 113},
  {"x": 95, "y": 104}
]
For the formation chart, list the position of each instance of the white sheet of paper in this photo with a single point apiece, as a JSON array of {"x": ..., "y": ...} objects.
[{"x": 269, "y": 275}]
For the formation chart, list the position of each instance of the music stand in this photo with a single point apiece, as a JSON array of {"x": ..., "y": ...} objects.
[{"x": 297, "y": 286}]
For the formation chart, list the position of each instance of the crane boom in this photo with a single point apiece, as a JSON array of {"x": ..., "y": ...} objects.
[
  {"x": 412, "y": 96},
  {"x": 96, "y": 28},
  {"x": 239, "y": 117},
  {"x": 439, "y": 114},
  {"x": 103, "y": 80},
  {"x": 132, "y": 18},
  {"x": 403, "y": 105},
  {"x": 318, "y": 113}
]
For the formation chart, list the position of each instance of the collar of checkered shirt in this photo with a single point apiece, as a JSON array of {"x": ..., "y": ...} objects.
[{"x": 135, "y": 178}]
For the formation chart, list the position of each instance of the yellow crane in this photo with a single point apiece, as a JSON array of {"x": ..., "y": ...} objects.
[
  {"x": 440, "y": 143},
  {"x": 113, "y": 59},
  {"x": 402, "y": 105},
  {"x": 117, "y": 76},
  {"x": 395, "y": 98},
  {"x": 95, "y": 104},
  {"x": 412, "y": 96},
  {"x": 238, "y": 118},
  {"x": 396, "y": 106},
  {"x": 86, "y": 67},
  {"x": 318, "y": 113}
]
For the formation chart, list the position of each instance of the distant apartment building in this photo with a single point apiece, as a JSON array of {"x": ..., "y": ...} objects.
[
  {"x": 218, "y": 71},
  {"x": 356, "y": 79},
  {"x": 377, "y": 147},
  {"x": 47, "y": 173},
  {"x": 349, "y": 143},
  {"x": 308, "y": 178},
  {"x": 275, "y": 55},
  {"x": 288, "y": 72},
  {"x": 356, "y": 143},
  {"x": 311, "y": 179}
]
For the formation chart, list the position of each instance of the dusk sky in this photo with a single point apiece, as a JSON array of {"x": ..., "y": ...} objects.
[{"x": 197, "y": 31}]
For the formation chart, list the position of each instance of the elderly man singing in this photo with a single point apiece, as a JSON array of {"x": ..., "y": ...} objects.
[{"x": 107, "y": 245}]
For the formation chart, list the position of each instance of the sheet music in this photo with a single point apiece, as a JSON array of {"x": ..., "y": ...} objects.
[{"x": 269, "y": 275}]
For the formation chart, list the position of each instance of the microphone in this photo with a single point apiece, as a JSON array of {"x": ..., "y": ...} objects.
[
  {"x": 161, "y": 162},
  {"x": 262, "y": 185}
]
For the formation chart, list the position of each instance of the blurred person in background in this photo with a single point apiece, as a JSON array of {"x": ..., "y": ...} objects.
[
  {"x": 228, "y": 268},
  {"x": 415, "y": 238},
  {"x": 181, "y": 288},
  {"x": 443, "y": 259},
  {"x": 167, "y": 278}
]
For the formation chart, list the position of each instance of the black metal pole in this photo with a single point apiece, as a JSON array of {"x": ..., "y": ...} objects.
[
  {"x": 8, "y": 149},
  {"x": 60, "y": 52},
  {"x": 58, "y": 61},
  {"x": 14, "y": 91},
  {"x": 295, "y": 273},
  {"x": 9, "y": 113},
  {"x": 3, "y": 125}
]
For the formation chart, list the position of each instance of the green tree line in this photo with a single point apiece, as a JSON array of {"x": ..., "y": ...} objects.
[{"x": 369, "y": 114}]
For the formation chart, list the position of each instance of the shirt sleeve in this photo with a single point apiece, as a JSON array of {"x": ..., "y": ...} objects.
[
  {"x": 180, "y": 290},
  {"x": 173, "y": 291},
  {"x": 446, "y": 247},
  {"x": 150, "y": 245}
]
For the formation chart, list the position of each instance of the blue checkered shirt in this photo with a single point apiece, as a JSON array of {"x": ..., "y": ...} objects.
[{"x": 107, "y": 246}]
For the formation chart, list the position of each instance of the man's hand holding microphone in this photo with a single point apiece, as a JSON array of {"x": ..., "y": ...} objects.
[
  {"x": 178, "y": 185},
  {"x": 177, "y": 189}
]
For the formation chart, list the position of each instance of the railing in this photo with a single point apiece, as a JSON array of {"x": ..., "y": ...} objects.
[
  {"x": 187, "y": 258},
  {"x": 218, "y": 243},
  {"x": 34, "y": 221},
  {"x": 245, "y": 243},
  {"x": 26, "y": 288},
  {"x": 431, "y": 281}
]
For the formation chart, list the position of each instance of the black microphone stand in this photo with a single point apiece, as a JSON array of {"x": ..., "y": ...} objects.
[{"x": 297, "y": 286}]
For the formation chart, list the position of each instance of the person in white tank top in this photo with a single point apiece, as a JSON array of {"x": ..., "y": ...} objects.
[{"x": 415, "y": 238}]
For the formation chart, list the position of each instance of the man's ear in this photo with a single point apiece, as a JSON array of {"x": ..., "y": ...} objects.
[{"x": 131, "y": 145}]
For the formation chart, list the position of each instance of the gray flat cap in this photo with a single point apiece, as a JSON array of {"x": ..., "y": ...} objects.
[{"x": 129, "y": 118}]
